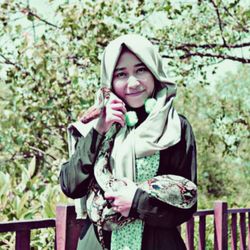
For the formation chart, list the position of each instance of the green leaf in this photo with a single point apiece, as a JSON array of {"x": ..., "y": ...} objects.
[
  {"x": 176, "y": 11},
  {"x": 16, "y": 203},
  {"x": 247, "y": 13},
  {"x": 4, "y": 183},
  {"x": 4, "y": 6},
  {"x": 28, "y": 215},
  {"x": 21, "y": 210},
  {"x": 49, "y": 210},
  {"x": 168, "y": 7},
  {"x": 32, "y": 167},
  {"x": 18, "y": 28},
  {"x": 75, "y": 80},
  {"x": 24, "y": 178},
  {"x": 30, "y": 17}
]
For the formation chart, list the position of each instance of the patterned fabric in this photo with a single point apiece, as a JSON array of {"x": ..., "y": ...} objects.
[
  {"x": 174, "y": 190},
  {"x": 129, "y": 237}
]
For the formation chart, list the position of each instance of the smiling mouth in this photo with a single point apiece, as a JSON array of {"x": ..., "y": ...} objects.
[{"x": 135, "y": 93}]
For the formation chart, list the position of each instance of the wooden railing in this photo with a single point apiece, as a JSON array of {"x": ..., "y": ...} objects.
[
  {"x": 23, "y": 229},
  {"x": 67, "y": 228},
  {"x": 223, "y": 219}
]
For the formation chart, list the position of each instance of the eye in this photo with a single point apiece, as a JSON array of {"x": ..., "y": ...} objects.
[
  {"x": 141, "y": 70},
  {"x": 120, "y": 75}
]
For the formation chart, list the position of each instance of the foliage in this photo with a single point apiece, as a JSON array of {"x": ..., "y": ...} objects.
[
  {"x": 220, "y": 118},
  {"x": 50, "y": 70}
]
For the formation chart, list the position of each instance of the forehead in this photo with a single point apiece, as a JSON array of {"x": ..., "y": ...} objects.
[{"x": 127, "y": 58}]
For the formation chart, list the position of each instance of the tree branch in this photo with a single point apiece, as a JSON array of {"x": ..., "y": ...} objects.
[
  {"x": 212, "y": 46},
  {"x": 184, "y": 46},
  {"x": 9, "y": 62},
  {"x": 219, "y": 20},
  {"x": 33, "y": 24},
  {"x": 236, "y": 20},
  {"x": 224, "y": 57},
  {"x": 19, "y": 67},
  {"x": 233, "y": 58},
  {"x": 42, "y": 152},
  {"x": 28, "y": 12}
]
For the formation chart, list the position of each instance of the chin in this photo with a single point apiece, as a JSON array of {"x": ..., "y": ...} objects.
[{"x": 135, "y": 104}]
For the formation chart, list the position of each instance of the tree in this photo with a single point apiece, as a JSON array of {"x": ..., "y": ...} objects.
[
  {"x": 220, "y": 118},
  {"x": 49, "y": 73}
]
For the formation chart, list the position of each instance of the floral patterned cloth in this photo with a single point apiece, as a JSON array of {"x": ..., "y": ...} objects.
[
  {"x": 129, "y": 237},
  {"x": 174, "y": 190}
]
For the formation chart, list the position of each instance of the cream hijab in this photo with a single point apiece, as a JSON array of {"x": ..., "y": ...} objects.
[
  {"x": 160, "y": 130},
  {"x": 162, "y": 127}
]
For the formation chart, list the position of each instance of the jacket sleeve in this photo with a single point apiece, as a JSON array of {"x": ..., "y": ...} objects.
[
  {"x": 77, "y": 172},
  {"x": 179, "y": 159}
]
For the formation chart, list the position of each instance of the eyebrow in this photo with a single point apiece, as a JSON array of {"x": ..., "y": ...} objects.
[{"x": 122, "y": 68}]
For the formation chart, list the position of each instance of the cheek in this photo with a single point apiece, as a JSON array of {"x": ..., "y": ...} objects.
[
  {"x": 118, "y": 88},
  {"x": 150, "y": 84}
]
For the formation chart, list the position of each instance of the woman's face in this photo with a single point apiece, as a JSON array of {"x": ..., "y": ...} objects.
[{"x": 132, "y": 81}]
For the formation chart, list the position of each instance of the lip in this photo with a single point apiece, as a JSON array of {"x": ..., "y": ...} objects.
[{"x": 135, "y": 93}]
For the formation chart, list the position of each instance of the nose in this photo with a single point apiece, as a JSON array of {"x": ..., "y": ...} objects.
[{"x": 133, "y": 82}]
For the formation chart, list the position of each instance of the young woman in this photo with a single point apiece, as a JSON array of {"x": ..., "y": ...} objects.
[{"x": 135, "y": 157}]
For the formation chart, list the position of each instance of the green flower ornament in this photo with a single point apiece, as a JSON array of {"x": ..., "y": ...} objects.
[{"x": 131, "y": 117}]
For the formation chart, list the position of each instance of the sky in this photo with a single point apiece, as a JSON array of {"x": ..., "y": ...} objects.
[{"x": 45, "y": 9}]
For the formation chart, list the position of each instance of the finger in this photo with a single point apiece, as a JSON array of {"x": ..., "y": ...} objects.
[
  {"x": 118, "y": 106},
  {"x": 111, "y": 112},
  {"x": 116, "y": 99},
  {"x": 118, "y": 114},
  {"x": 117, "y": 119}
]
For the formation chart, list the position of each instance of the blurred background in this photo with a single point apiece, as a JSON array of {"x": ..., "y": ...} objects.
[{"x": 49, "y": 70}]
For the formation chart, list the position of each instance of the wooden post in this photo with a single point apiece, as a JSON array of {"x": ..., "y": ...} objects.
[
  {"x": 67, "y": 227},
  {"x": 234, "y": 232},
  {"x": 249, "y": 231},
  {"x": 61, "y": 227},
  {"x": 23, "y": 240},
  {"x": 190, "y": 234},
  {"x": 242, "y": 231},
  {"x": 202, "y": 233},
  {"x": 220, "y": 223}
]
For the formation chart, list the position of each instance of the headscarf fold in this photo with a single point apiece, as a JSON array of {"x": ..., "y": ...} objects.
[{"x": 162, "y": 127}]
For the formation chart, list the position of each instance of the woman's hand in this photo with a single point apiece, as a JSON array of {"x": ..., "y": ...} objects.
[
  {"x": 114, "y": 111},
  {"x": 122, "y": 199}
]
